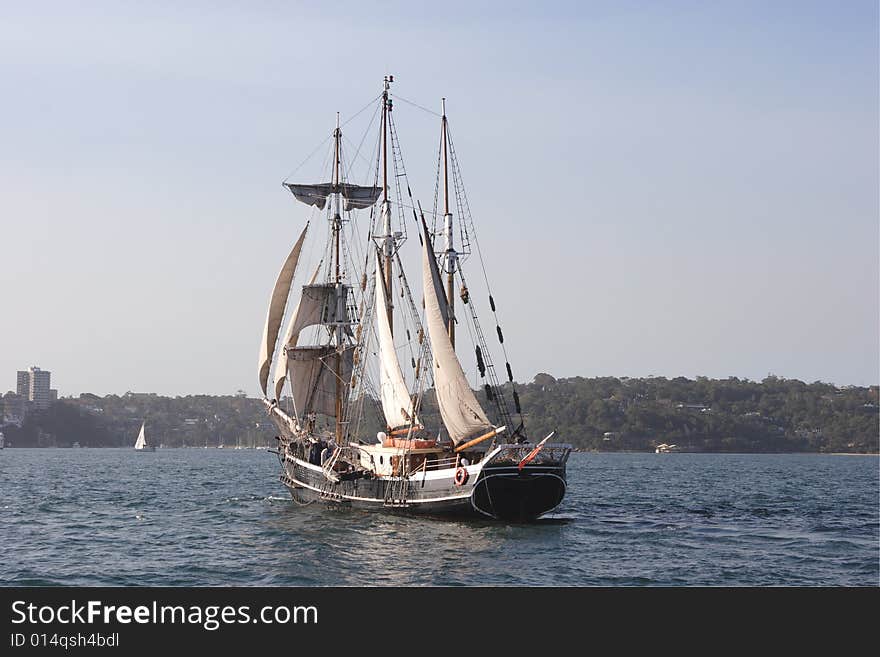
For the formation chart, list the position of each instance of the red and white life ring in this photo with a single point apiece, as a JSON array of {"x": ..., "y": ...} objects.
[{"x": 461, "y": 476}]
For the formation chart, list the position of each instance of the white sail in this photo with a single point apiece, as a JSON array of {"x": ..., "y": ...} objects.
[
  {"x": 275, "y": 313},
  {"x": 312, "y": 374},
  {"x": 320, "y": 303},
  {"x": 396, "y": 402},
  {"x": 461, "y": 412},
  {"x": 291, "y": 337},
  {"x": 141, "y": 441}
]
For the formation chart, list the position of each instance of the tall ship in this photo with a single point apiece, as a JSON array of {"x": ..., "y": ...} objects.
[{"x": 366, "y": 384}]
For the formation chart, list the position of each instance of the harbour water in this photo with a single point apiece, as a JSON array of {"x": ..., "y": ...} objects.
[{"x": 207, "y": 517}]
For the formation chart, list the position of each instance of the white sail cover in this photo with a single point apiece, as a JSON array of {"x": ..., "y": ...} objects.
[
  {"x": 141, "y": 441},
  {"x": 312, "y": 375},
  {"x": 461, "y": 412},
  {"x": 291, "y": 336},
  {"x": 277, "y": 302},
  {"x": 396, "y": 402},
  {"x": 356, "y": 197}
]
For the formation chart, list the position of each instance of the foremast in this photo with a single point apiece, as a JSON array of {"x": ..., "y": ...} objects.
[
  {"x": 338, "y": 333},
  {"x": 319, "y": 374}
]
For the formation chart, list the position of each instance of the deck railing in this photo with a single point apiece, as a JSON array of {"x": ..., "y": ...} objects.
[{"x": 549, "y": 454}]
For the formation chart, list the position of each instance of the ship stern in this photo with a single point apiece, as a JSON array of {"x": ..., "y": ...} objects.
[{"x": 518, "y": 484}]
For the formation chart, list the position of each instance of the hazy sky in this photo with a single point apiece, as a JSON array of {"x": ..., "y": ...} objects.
[{"x": 671, "y": 189}]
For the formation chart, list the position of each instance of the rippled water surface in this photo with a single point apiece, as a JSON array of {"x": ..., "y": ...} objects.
[{"x": 219, "y": 517}]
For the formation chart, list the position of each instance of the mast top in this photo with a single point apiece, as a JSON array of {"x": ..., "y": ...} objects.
[
  {"x": 387, "y": 101},
  {"x": 443, "y": 107}
]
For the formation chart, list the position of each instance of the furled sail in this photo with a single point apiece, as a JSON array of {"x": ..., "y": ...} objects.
[
  {"x": 356, "y": 197},
  {"x": 459, "y": 408},
  {"x": 290, "y": 339},
  {"x": 311, "y": 194},
  {"x": 312, "y": 374},
  {"x": 277, "y": 303},
  {"x": 141, "y": 441},
  {"x": 396, "y": 402}
]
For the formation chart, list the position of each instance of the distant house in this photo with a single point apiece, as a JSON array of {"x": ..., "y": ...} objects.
[{"x": 701, "y": 408}]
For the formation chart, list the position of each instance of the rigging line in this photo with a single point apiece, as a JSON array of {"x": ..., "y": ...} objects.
[
  {"x": 351, "y": 217},
  {"x": 331, "y": 370},
  {"x": 473, "y": 232},
  {"x": 360, "y": 369},
  {"x": 308, "y": 157},
  {"x": 474, "y": 342},
  {"x": 351, "y": 246},
  {"x": 395, "y": 156},
  {"x": 363, "y": 138},
  {"x": 499, "y": 400},
  {"x": 437, "y": 186},
  {"x": 356, "y": 114},
  {"x": 398, "y": 154},
  {"x": 329, "y": 137},
  {"x": 415, "y": 322},
  {"x": 409, "y": 102},
  {"x": 353, "y": 253},
  {"x": 466, "y": 207}
]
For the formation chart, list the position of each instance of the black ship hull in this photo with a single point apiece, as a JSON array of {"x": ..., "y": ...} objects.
[{"x": 498, "y": 489}]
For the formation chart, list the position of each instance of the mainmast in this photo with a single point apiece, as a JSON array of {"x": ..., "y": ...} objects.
[
  {"x": 340, "y": 311},
  {"x": 388, "y": 245},
  {"x": 336, "y": 218},
  {"x": 451, "y": 255}
]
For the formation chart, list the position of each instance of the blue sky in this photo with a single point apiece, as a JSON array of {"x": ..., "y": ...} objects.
[{"x": 671, "y": 189}]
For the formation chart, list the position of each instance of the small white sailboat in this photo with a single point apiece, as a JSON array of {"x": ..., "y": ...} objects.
[
  {"x": 140, "y": 444},
  {"x": 2, "y": 440}
]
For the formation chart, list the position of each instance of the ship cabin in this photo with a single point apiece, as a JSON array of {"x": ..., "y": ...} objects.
[{"x": 395, "y": 457}]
